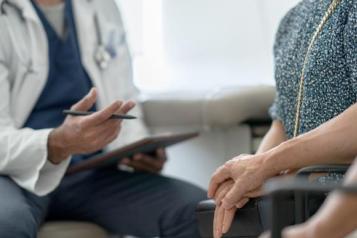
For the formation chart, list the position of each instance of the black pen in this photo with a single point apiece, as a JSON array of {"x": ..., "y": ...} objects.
[{"x": 114, "y": 116}]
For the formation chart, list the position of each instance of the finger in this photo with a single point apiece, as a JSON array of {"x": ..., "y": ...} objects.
[
  {"x": 149, "y": 161},
  {"x": 103, "y": 115},
  {"x": 242, "y": 203},
  {"x": 233, "y": 196},
  {"x": 265, "y": 235},
  {"x": 139, "y": 166},
  {"x": 255, "y": 193},
  {"x": 156, "y": 163},
  {"x": 221, "y": 174},
  {"x": 125, "y": 161},
  {"x": 222, "y": 191},
  {"x": 218, "y": 222},
  {"x": 126, "y": 107},
  {"x": 296, "y": 231},
  {"x": 109, "y": 124},
  {"x": 87, "y": 102},
  {"x": 161, "y": 154},
  {"x": 228, "y": 219}
]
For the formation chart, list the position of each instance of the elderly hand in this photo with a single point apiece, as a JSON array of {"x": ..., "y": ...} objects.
[
  {"x": 248, "y": 172},
  {"x": 223, "y": 218},
  {"x": 147, "y": 163}
]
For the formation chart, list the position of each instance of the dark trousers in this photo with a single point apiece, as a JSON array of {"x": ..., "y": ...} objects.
[{"x": 139, "y": 204}]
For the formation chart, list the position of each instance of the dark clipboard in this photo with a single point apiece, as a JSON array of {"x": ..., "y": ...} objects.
[{"x": 146, "y": 145}]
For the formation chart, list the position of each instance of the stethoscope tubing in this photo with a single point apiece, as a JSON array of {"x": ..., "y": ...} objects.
[{"x": 101, "y": 56}]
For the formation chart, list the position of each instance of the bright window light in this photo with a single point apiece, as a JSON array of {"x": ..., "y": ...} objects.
[{"x": 198, "y": 44}]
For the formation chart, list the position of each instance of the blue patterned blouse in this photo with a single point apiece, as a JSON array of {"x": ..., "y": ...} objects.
[{"x": 331, "y": 73}]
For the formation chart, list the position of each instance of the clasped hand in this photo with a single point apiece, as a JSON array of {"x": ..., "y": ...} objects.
[{"x": 232, "y": 185}]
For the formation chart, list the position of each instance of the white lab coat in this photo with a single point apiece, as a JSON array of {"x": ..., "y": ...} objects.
[{"x": 24, "y": 69}]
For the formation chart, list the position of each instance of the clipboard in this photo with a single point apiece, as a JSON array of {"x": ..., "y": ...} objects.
[{"x": 146, "y": 145}]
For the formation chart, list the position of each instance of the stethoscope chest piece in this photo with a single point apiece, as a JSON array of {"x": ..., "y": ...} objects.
[{"x": 102, "y": 57}]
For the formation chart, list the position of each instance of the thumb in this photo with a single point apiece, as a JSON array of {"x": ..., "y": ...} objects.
[{"x": 87, "y": 102}]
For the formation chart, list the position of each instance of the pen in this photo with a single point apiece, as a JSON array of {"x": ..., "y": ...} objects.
[{"x": 114, "y": 116}]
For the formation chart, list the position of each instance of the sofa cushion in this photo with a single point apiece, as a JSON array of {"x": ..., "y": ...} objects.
[{"x": 69, "y": 229}]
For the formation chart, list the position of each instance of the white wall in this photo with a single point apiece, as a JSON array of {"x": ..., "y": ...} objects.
[
  {"x": 203, "y": 43},
  {"x": 215, "y": 42}
]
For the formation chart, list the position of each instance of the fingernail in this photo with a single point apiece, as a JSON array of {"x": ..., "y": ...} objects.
[
  {"x": 131, "y": 103},
  {"x": 118, "y": 103},
  {"x": 125, "y": 161},
  {"x": 224, "y": 228}
]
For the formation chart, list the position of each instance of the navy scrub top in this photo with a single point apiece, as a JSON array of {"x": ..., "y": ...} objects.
[{"x": 68, "y": 81}]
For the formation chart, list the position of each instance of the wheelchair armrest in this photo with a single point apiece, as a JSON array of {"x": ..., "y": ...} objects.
[
  {"x": 327, "y": 168},
  {"x": 207, "y": 205},
  {"x": 294, "y": 184},
  {"x": 244, "y": 225},
  {"x": 280, "y": 189}
]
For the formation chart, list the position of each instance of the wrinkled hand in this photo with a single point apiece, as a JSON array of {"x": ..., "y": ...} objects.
[
  {"x": 248, "y": 173},
  {"x": 147, "y": 163},
  {"x": 86, "y": 134},
  {"x": 223, "y": 218}
]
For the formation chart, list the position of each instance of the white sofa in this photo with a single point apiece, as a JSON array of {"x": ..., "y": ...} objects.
[{"x": 221, "y": 115}]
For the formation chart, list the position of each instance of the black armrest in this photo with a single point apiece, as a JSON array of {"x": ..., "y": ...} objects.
[
  {"x": 327, "y": 168},
  {"x": 280, "y": 189},
  {"x": 246, "y": 222}
]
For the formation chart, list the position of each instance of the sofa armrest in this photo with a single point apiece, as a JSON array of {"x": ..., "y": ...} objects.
[{"x": 223, "y": 107}]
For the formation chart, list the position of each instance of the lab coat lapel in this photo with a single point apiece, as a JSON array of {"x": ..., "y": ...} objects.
[
  {"x": 84, "y": 12},
  {"x": 38, "y": 49},
  {"x": 37, "y": 35},
  {"x": 27, "y": 9}
]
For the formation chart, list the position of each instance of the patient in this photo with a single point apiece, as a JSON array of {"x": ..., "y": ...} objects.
[{"x": 315, "y": 110}]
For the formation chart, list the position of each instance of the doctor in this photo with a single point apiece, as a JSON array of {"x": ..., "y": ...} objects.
[{"x": 52, "y": 54}]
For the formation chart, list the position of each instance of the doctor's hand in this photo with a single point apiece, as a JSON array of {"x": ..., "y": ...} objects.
[
  {"x": 147, "y": 163},
  {"x": 248, "y": 172},
  {"x": 86, "y": 134}
]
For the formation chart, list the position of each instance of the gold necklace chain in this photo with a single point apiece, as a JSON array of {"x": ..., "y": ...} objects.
[{"x": 330, "y": 10}]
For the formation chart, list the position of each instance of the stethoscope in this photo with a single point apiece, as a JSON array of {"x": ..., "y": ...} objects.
[
  {"x": 102, "y": 55},
  {"x": 14, "y": 6}
]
